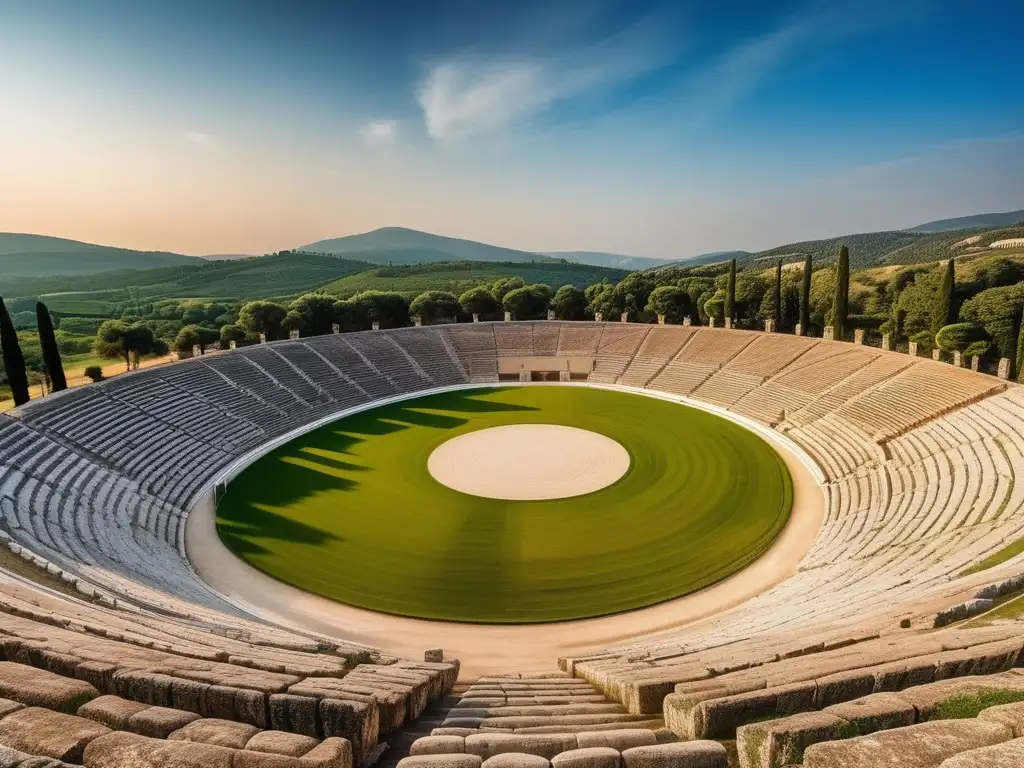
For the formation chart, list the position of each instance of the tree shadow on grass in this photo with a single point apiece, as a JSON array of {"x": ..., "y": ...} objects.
[
  {"x": 261, "y": 522},
  {"x": 315, "y": 463}
]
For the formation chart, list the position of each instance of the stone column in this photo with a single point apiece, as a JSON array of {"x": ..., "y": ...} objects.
[
  {"x": 524, "y": 375},
  {"x": 1004, "y": 368},
  {"x": 886, "y": 342},
  {"x": 936, "y": 354},
  {"x": 687, "y": 321},
  {"x": 476, "y": 318},
  {"x": 263, "y": 338},
  {"x": 728, "y": 322},
  {"x": 196, "y": 350},
  {"x": 799, "y": 330},
  {"x": 769, "y": 326},
  {"x": 829, "y": 334},
  {"x": 335, "y": 328},
  {"x": 958, "y": 359},
  {"x": 661, "y": 319},
  {"x": 858, "y": 336},
  {"x": 598, "y": 317},
  {"x": 417, "y": 321},
  {"x": 376, "y": 325},
  {"x": 912, "y": 350},
  {"x": 711, "y": 321},
  {"x": 508, "y": 317},
  {"x": 293, "y": 333},
  {"x": 975, "y": 362},
  {"x": 551, "y": 314},
  {"x": 233, "y": 344},
  {"x": 564, "y": 376},
  {"x": 624, "y": 317}
]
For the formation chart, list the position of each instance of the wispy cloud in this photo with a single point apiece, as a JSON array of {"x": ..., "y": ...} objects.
[
  {"x": 464, "y": 96},
  {"x": 200, "y": 139},
  {"x": 379, "y": 132},
  {"x": 725, "y": 80}
]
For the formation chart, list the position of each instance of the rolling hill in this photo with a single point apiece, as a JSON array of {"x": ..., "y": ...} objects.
[
  {"x": 978, "y": 221},
  {"x": 875, "y": 249},
  {"x": 279, "y": 275},
  {"x": 24, "y": 255},
  {"x": 398, "y": 245},
  {"x": 459, "y": 276}
]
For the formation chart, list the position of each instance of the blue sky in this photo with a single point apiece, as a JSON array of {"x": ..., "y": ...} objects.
[{"x": 651, "y": 128}]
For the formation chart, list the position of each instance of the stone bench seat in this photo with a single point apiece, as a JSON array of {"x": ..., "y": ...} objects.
[
  {"x": 110, "y": 751},
  {"x": 46, "y": 733}
]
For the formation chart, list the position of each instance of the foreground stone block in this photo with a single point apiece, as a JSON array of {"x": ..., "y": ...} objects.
[
  {"x": 441, "y": 761},
  {"x": 1010, "y": 715},
  {"x": 919, "y": 746},
  {"x": 488, "y": 745},
  {"x": 588, "y": 757},
  {"x": 281, "y": 743},
  {"x": 516, "y": 760},
  {"x": 159, "y": 722},
  {"x": 50, "y": 734},
  {"x": 438, "y": 745},
  {"x": 221, "y": 733},
  {"x": 684, "y": 754},
  {"x": 7, "y": 706},
  {"x": 877, "y": 712},
  {"x": 121, "y": 750},
  {"x": 1008, "y": 755},
  {"x": 112, "y": 711},
  {"x": 622, "y": 740},
  {"x": 776, "y": 743},
  {"x": 701, "y": 717},
  {"x": 39, "y": 688}
]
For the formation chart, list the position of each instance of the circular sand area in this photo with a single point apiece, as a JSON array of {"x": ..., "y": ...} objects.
[{"x": 528, "y": 462}]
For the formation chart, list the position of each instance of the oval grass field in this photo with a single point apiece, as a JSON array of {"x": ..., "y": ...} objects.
[{"x": 350, "y": 511}]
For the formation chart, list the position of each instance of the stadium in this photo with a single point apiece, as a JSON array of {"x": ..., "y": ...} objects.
[{"x": 580, "y": 544}]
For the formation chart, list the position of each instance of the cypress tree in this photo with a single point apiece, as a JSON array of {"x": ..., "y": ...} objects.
[
  {"x": 945, "y": 307},
  {"x": 841, "y": 303},
  {"x": 14, "y": 361},
  {"x": 1017, "y": 361},
  {"x": 730, "y": 292},
  {"x": 51, "y": 354},
  {"x": 778, "y": 296},
  {"x": 805, "y": 297}
]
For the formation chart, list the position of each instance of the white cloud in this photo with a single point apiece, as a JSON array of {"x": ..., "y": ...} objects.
[
  {"x": 379, "y": 132},
  {"x": 462, "y": 97},
  {"x": 200, "y": 139}
]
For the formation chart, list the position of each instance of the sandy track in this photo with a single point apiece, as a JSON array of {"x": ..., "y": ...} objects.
[
  {"x": 487, "y": 649},
  {"x": 528, "y": 462}
]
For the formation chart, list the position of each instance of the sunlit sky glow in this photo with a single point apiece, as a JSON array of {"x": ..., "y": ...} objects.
[{"x": 649, "y": 128}]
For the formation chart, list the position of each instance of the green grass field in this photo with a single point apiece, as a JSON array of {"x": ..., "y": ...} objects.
[{"x": 350, "y": 511}]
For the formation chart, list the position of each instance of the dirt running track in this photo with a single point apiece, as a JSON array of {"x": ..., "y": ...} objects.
[{"x": 485, "y": 649}]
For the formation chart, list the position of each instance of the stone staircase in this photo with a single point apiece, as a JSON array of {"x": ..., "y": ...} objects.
[
  {"x": 543, "y": 702},
  {"x": 536, "y": 720}
]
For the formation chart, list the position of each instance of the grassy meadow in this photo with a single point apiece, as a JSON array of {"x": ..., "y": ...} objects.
[{"x": 350, "y": 511}]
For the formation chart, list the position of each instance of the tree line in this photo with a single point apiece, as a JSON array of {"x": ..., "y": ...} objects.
[{"x": 925, "y": 304}]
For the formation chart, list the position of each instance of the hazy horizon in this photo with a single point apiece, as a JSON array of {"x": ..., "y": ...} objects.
[{"x": 649, "y": 128}]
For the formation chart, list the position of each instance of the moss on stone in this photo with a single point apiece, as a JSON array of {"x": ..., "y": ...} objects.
[{"x": 970, "y": 704}]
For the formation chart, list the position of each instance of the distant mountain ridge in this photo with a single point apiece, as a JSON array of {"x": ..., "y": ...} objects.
[
  {"x": 977, "y": 221},
  {"x": 601, "y": 259},
  {"x": 398, "y": 245},
  {"x": 24, "y": 255}
]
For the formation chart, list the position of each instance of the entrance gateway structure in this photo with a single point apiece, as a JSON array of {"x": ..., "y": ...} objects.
[{"x": 536, "y": 368}]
